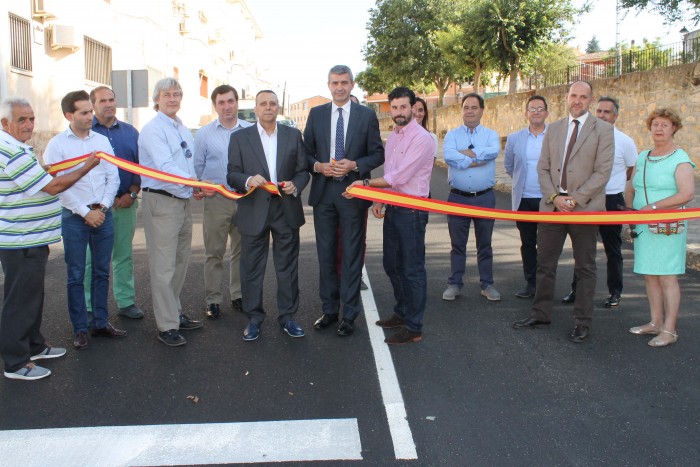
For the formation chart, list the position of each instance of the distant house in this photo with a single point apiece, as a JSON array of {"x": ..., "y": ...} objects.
[{"x": 299, "y": 111}]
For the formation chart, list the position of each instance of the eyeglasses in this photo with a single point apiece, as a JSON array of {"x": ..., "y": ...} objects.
[
  {"x": 183, "y": 145},
  {"x": 536, "y": 109},
  {"x": 634, "y": 233}
]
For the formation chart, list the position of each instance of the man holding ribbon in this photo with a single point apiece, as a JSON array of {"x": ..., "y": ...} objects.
[
  {"x": 343, "y": 144},
  {"x": 167, "y": 145},
  {"x": 574, "y": 167},
  {"x": 87, "y": 218}
]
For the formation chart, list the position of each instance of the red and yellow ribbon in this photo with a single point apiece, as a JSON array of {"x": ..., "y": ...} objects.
[
  {"x": 158, "y": 175},
  {"x": 456, "y": 209}
]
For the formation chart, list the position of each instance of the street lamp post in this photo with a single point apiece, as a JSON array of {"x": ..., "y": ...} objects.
[{"x": 684, "y": 32}]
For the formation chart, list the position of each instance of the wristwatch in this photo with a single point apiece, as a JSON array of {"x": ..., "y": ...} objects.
[
  {"x": 133, "y": 195},
  {"x": 365, "y": 182},
  {"x": 104, "y": 209},
  {"x": 653, "y": 206}
]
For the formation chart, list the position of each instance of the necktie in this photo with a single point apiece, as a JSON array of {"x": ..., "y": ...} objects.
[
  {"x": 572, "y": 142},
  {"x": 340, "y": 140}
]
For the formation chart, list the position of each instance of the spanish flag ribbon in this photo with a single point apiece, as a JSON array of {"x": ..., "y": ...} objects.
[
  {"x": 158, "y": 175},
  {"x": 443, "y": 207}
]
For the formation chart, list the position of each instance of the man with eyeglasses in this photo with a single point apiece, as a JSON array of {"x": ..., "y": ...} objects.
[
  {"x": 522, "y": 154},
  {"x": 87, "y": 219},
  {"x": 165, "y": 144},
  {"x": 625, "y": 159}
]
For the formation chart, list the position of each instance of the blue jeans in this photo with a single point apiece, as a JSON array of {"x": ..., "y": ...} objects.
[
  {"x": 404, "y": 262},
  {"x": 77, "y": 235}
]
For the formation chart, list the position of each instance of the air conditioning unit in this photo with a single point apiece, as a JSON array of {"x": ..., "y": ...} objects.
[
  {"x": 39, "y": 11},
  {"x": 183, "y": 27},
  {"x": 65, "y": 37}
]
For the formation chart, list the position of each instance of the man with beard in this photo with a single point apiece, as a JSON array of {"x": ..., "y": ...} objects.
[{"x": 407, "y": 169}]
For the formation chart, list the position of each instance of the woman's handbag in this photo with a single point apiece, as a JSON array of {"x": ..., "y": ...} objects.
[{"x": 661, "y": 228}]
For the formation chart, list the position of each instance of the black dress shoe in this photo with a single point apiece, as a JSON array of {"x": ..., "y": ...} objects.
[
  {"x": 528, "y": 323},
  {"x": 187, "y": 323},
  {"x": 81, "y": 341},
  {"x": 346, "y": 328},
  {"x": 108, "y": 331},
  {"x": 613, "y": 300},
  {"x": 324, "y": 321},
  {"x": 172, "y": 338},
  {"x": 237, "y": 305},
  {"x": 570, "y": 298},
  {"x": 213, "y": 311},
  {"x": 579, "y": 334}
]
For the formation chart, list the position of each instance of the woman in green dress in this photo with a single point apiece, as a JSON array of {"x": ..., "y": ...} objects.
[{"x": 662, "y": 179}]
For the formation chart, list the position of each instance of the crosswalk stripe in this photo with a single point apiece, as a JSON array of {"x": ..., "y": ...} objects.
[{"x": 190, "y": 444}]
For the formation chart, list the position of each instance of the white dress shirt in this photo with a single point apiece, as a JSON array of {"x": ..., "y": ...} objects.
[
  {"x": 334, "y": 123},
  {"x": 269, "y": 144},
  {"x": 99, "y": 186}
]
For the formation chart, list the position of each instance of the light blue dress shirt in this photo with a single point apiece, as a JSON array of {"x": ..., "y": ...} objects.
[
  {"x": 211, "y": 155},
  {"x": 161, "y": 147},
  {"x": 485, "y": 144}
]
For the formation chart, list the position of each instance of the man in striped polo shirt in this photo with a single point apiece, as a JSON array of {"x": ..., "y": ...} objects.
[{"x": 30, "y": 219}]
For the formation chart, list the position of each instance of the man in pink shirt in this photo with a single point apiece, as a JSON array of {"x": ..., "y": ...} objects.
[{"x": 408, "y": 163}]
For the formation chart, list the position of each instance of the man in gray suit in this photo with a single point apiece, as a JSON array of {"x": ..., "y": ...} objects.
[
  {"x": 267, "y": 152},
  {"x": 343, "y": 144},
  {"x": 574, "y": 167},
  {"x": 523, "y": 150}
]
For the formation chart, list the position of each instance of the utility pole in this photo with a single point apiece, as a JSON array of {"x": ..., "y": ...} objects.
[{"x": 618, "y": 43}]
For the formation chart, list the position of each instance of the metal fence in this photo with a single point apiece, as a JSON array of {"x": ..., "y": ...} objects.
[{"x": 612, "y": 65}]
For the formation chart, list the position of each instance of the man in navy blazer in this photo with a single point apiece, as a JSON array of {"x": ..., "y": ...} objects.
[
  {"x": 522, "y": 154},
  {"x": 343, "y": 144},
  {"x": 268, "y": 152}
]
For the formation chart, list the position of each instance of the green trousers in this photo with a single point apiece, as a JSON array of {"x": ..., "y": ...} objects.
[{"x": 122, "y": 263}]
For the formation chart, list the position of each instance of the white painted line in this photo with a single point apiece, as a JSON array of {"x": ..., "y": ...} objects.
[
  {"x": 401, "y": 436},
  {"x": 210, "y": 443}
]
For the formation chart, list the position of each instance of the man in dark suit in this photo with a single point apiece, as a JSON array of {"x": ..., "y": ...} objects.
[
  {"x": 574, "y": 167},
  {"x": 267, "y": 152},
  {"x": 342, "y": 144}
]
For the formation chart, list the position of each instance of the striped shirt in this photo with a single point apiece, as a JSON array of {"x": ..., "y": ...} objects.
[
  {"x": 211, "y": 151},
  {"x": 28, "y": 216}
]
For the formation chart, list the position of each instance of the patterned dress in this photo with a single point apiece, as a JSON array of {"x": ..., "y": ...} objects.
[{"x": 656, "y": 254}]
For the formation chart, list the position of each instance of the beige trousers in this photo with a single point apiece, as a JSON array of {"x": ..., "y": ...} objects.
[
  {"x": 167, "y": 225},
  {"x": 218, "y": 227}
]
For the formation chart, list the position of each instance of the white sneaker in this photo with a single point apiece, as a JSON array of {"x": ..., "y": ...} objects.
[
  {"x": 29, "y": 372},
  {"x": 491, "y": 293},
  {"x": 450, "y": 292},
  {"x": 49, "y": 352}
]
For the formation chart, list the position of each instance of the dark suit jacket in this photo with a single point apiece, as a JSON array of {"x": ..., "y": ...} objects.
[
  {"x": 246, "y": 158},
  {"x": 589, "y": 166},
  {"x": 363, "y": 144}
]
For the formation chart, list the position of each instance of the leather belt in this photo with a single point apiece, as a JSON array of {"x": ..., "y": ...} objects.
[
  {"x": 161, "y": 192},
  {"x": 94, "y": 206},
  {"x": 470, "y": 194}
]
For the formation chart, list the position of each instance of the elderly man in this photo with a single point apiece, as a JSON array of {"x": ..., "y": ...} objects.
[
  {"x": 166, "y": 144},
  {"x": 574, "y": 167},
  {"x": 87, "y": 219},
  {"x": 210, "y": 162},
  {"x": 29, "y": 193},
  {"x": 268, "y": 152},
  {"x": 470, "y": 154},
  {"x": 124, "y": 139}
]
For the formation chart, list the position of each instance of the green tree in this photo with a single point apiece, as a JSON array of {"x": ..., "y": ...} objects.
[
  {"x": 402, "y": 46},
  {"x": 671, "y": 10},
  {"x": 519, "y": 28},
  {"x": 551, "y": 60},
  {"x": 593, "y": 46}
]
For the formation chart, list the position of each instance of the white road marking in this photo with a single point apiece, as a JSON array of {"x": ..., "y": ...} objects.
[
  {"x": 193, "y": 444},
  {"x": 401, "y": 436}
]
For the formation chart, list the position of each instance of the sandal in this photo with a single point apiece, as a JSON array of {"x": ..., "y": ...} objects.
[
  {"x": 643, "y": 330},
  {"x": 659, "y": 340}
]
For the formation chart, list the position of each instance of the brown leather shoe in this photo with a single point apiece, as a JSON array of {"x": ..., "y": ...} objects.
[
  {"x": 81, "y": 341},
  {"x": 403, "y": 336},
  {"x": 393, "y": 322},
  {"x": 108, "y": 331}
]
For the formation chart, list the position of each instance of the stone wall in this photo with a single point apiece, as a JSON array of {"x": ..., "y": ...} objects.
[{"x": 677, "y": 87}]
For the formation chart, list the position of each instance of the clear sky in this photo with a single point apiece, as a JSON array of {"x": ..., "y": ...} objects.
[{"x": 304, "y": 38}]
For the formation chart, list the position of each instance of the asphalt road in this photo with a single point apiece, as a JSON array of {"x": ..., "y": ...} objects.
[{"x": 475, "y": 391}]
